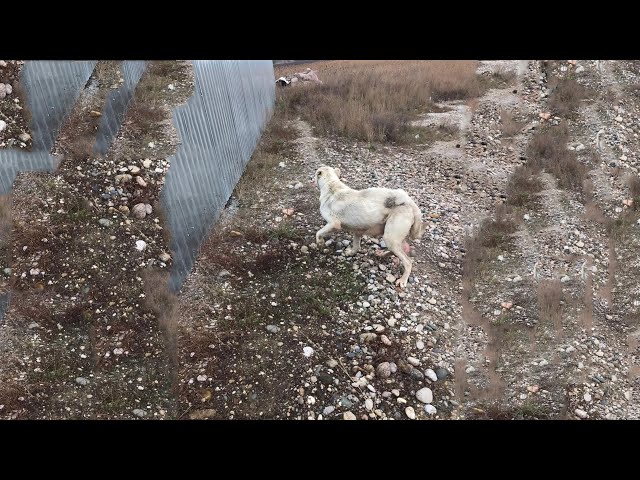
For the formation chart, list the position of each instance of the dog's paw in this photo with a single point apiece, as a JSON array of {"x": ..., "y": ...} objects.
[
  {"x": 320, "y": 242},
  {"x": 401, "y": 282}
]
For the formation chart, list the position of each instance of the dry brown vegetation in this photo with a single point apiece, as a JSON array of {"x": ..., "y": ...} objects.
[
  {"x": 509, "y": 125},
  {"x": 550, "y": 303},
  {"x": 522, "y": 184},
  {"x": 548, "y": 151},
  {"x": 493, "y": 234},
  {"x": 374, "y": 100},
  {"x": 566, "y": 97}
]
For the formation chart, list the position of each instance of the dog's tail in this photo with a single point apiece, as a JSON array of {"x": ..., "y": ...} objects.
[{"x": 417, "y": 228}]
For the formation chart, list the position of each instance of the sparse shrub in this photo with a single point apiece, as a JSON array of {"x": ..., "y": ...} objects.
[
  {"x": 549, "y": 302},
  {"x": 566, "y": 97},
  {"x": 521, "y": 186},
  {"x": 548, "y": 151},
  {"x": 508, "y": 125}
]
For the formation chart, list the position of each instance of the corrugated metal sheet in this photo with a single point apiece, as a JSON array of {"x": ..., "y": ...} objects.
[
  {"x": 116, "y": 105},
  {"x": 52, "y": 88},
  {"x": 219, "y": 127}
]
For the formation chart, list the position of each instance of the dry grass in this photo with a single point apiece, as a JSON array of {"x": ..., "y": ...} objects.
[
  {"x": 522, "y": 184},
  {"x": 276, "y": 144},
  {"x": 5, "y": 216},
  {"x": 548, "y": 151},
  {"x": 509, "y": 125},
  {"x": 374, "y": 100},
  {"x": 566, "y": 97},
  {"x": 633, "y": 183},
  {"x": 550, "y": 303},
  {"x": 493, "y": 234}
]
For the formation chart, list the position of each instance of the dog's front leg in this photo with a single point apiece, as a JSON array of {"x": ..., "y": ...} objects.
[
  {"x": 356, "y": 245},
  {"x": 326, "y": 230}
]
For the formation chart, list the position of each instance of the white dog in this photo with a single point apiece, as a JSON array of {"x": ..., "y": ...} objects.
[{"x": 373, "y": 211}]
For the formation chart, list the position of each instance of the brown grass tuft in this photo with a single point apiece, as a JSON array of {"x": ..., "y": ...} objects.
[
  {"x": 508, "y": 125},
  {"x": 566, "y": 97},
  {"x": 548, "y": 151},
  {"x": 549, "y": 303},
  {"x": 522, "y": 184}
]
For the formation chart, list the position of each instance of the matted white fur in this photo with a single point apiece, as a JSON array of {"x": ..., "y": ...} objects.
[{"x": 384, "y": 212}]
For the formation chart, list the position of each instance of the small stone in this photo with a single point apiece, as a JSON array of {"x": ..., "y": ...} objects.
[
  {"x": 600, "y": 353},
  {"x": 95, "y": 113},
  {"x": 416, "y": 374},
  {"x": 470, "y": 369},
  {"x": 506, "y": 305},
  {"x": 118, "y": 351},
  {"x": 385, "y": 340},
  {"x": 366, "y": 304},
  {"x": 82, "y": 381},
  {"x": 431, "y": 375},
  {"x": 533, "y": 389},
  {"x": 413, "y": 361},
  {"x": 331, "y": 363},
  {"x": 368, "y": 404},
  {"x": 298, "y": 185},
  {"x": 273, "y": 328},
  {"x": 410, "y": 412},
  {"x": 430, "y": 409},
  {"x": 146, "y": 163},
  {"x": 124, "y": 209},
  {"x": 442, "y": 373},
  {"x": 141, "y": 245},
  {"x": 138, "y": 412},
  {"x": 581, "y": 413},
  {"x": 140, "y": 181},
  {"x": 432, "y": 301},
  {"x": 328, "y": 410},
  {"x": 304, "y": 249},
  {"x": 3, "y": 124},
  {"x": 420, "y": 345},
  {"x": 202, "y": 378},
  {"x": 543, "y": 363},
  {"x": 164, "y": 257},
  {"x": 587, "y": 397},
  {"x": 104, "y": 222},
  {"x": 425, "y": 395},
  {"x": 139, "y": 210},
  {"x": 579, "y": 147},
  {"x": 618, "y": 118},
  {"x": 565, "y": 279},
  {"x": 383, "y": 370},
  {"x": 390, "y": 278},
  {"x": 348, "y": 416},
  {"x": 307, "y": 351},
  {"x": 171, "y": 86},
  {"x": 517, "y": 278},
  {"x": 24, "y": 137}
]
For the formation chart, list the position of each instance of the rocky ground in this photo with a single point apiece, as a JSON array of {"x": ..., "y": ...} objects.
[
  {"x": 544, "y": 327},
  {"x": 14, "y": 119},
  {"x": 83, "y": 336},
  {"x": 524, "y": 310}
]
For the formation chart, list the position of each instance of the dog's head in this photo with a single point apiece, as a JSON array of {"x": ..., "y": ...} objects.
[{"x": 325, "y": 174}]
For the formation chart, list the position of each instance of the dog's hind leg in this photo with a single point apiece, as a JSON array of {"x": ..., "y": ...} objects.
[
  {"x": 326, "y": 230},
  {"x": 356, "y": 245},
  {"x": 395, "y": 231}
]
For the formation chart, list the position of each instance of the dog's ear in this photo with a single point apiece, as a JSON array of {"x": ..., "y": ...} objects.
[{"x": 337, "y": 170}]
